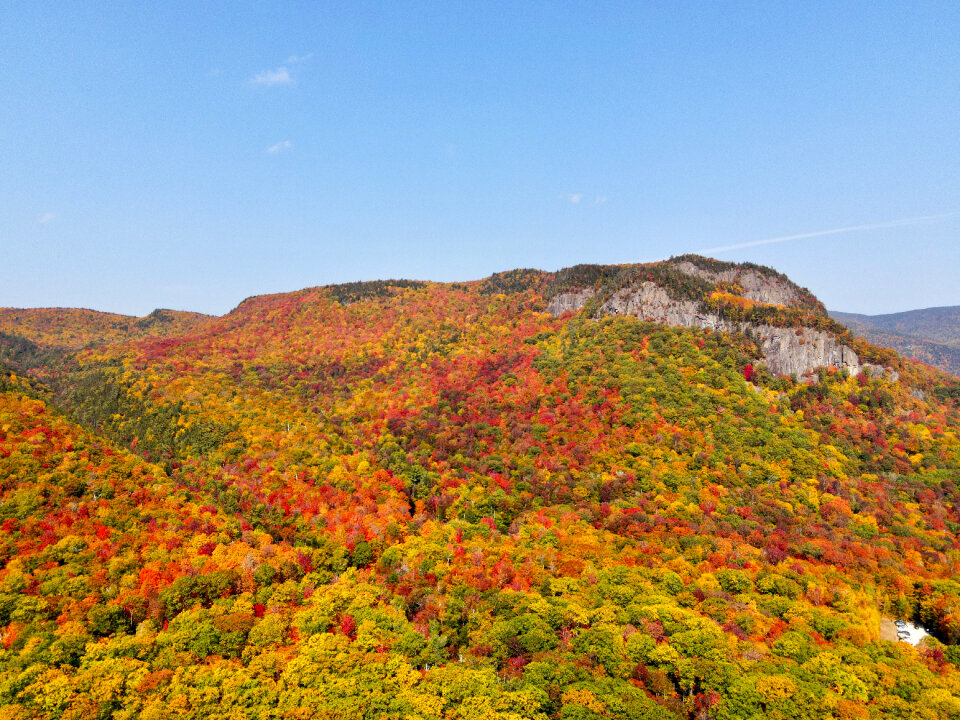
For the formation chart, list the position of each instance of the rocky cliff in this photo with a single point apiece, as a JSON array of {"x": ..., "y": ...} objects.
[
  {"x": 785, "y": 349},
  {"x": 569, "y": 301},
  {"x": 754, "y": 285}
]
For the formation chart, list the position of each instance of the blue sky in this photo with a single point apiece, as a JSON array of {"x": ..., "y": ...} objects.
[{"x": 188, "y": 155}]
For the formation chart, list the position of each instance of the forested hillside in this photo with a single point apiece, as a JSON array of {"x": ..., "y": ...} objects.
[
  {"x": 73, "y": 329},
  {"x": 414, "y": 499}
]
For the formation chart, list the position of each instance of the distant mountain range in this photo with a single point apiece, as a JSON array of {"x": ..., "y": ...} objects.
[{"x": 931, "y": 335}]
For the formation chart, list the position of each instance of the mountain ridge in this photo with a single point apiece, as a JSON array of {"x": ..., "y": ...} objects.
[
  {"x": 73, "y": 328},
  {"x": 441, "y": 501},
  {"x": 931, "y": 335},
  {"x": 940, "y": 324},
  {"x": 693, "y": 291}
]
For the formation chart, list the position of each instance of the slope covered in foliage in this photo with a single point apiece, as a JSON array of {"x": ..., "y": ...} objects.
[
  {"x": 438, "y": 501},
  {"x": 73, "y": 329}
]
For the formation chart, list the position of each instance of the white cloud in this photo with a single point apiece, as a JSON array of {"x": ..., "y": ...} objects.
[
  {"x": 45, "y": 218},
  {"x": 600, "y": 200},
  {"x": 833, "y": 231},
  {"x": 269, "y": 78},
  {"x": 575, "y": 198},
  {"x": 294, "y": 59},
  {"x": 279, "y": 147}
]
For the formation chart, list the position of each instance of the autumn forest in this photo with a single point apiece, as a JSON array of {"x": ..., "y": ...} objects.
[{"x": 496, "y": 500}]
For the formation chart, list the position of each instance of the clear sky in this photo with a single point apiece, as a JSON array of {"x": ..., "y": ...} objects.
[{"x": 190, "y": 154}]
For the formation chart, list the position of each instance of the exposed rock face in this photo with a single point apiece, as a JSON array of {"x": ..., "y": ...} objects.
[
  {"x": 798, "y": 350},
  {"x": 651, "y": 302},
  {"x": 785, "y": 350},
  {"x": 569, "y": 301},
  {"x": 879, "y": 371},
  {"x": 756, "y": 286}
]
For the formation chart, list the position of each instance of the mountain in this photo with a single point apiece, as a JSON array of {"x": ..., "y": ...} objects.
[
  {"x": 673, "y": 490},
  {"x": 940, "y": 325},
  {"x": 931, "y": 335},
  {"x": 74, "y": 328}
]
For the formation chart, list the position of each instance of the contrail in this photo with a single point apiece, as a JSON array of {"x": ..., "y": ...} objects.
[{"x": 834, "y": 231}]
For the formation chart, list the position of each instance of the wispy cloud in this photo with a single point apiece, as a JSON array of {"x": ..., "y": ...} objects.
[
  {"x": 280, "y": 75},
  {"x": 578, "y": 198},
  {"x": 833, "y": 231},
  {"x": 269, "y": 78},
  {"x": 45, "y": 218},
  {"x": 279, "y": 147}
]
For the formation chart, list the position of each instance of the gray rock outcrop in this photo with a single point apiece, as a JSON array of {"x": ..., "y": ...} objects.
[
  {"x": 785, "y": 350},
  {"x": 756, "y": 285},
  {"x": 788, "y": 351},
  {"x": 567, "y": 301},
  {"x": 651, "y": 302},
  {"x": 879, "y": 371}
]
